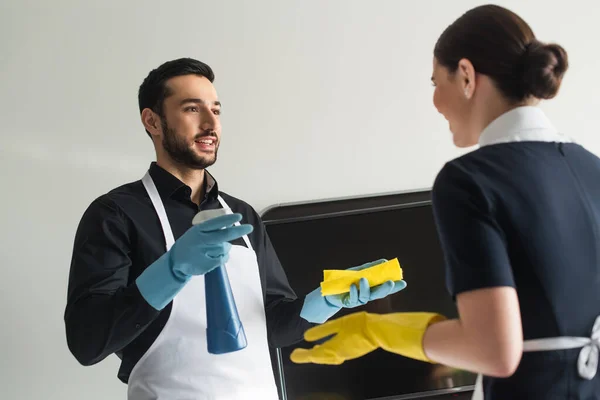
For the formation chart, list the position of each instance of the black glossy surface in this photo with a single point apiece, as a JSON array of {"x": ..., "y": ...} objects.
[{"x": 307, "y": 246}]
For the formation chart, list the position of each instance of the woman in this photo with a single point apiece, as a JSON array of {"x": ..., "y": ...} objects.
[{"x": 519, "y": 223}]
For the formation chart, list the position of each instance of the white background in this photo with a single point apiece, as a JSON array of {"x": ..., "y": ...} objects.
[{"x": 321, "y": 99}]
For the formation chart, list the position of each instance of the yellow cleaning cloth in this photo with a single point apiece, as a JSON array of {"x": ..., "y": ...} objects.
[{"x": 336, "y": 281}]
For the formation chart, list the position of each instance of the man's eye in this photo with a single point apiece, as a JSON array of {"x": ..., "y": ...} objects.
[
  {"x": 192, "y": 109},
  {"x": 217, "y": 112}
]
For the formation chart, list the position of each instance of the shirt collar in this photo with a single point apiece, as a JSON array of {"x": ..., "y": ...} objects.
[
  {"x": 168, "y": 185},
  {"x": 521, "y": 124}
]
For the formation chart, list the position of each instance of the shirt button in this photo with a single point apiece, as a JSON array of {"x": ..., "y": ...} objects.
[{"x": 137, "y": 326}]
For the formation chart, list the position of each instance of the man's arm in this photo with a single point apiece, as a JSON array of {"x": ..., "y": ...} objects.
[
  {"x": 285, "y": 326},
  {"x": 282, "y": 306},
  {"x": 104, "y": 311}
]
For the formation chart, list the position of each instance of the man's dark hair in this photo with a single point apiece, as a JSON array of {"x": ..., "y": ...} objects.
[{"x": 153, "y": 91}]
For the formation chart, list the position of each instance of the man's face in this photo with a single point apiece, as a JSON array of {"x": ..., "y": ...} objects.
[{"x": 191, "y": 124}]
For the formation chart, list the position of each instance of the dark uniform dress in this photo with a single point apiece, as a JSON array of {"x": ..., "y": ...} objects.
[{"x": 523, "y": 211}]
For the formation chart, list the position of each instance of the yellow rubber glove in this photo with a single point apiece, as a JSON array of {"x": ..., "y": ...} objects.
[
  {"x": 336, "y": 281},
  {"x": 360, "y": 333}
]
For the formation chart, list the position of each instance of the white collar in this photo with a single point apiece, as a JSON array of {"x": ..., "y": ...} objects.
[{"x": 521, "y": 124}]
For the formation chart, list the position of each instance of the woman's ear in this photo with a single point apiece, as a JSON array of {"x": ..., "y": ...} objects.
[{"x": 466, "y": 75}]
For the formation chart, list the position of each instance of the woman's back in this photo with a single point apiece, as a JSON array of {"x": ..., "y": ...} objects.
[
  {"x": 522, "y": 212},
  {"x": 518, "y": 221},
  {"x": 544, "y": 198}
]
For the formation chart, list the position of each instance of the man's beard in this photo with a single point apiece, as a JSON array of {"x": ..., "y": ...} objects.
[{"x": 181, "y": 153}]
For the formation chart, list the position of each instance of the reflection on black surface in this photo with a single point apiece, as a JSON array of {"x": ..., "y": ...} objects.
[{"x": 306, "y": 248}]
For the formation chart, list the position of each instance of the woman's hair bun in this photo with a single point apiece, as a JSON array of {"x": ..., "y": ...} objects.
[{"x": 544, "y": 67}]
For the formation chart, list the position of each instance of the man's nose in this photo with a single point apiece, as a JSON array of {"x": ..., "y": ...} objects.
[{"x": 208, "y": 121}]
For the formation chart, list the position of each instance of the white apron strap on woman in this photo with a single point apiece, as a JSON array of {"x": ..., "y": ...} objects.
[
  {"x": 478, "y": 392},
  {"x": 587, "y": 362}
]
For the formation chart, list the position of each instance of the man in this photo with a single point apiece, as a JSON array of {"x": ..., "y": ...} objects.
[{"x": 129, "y": 297}]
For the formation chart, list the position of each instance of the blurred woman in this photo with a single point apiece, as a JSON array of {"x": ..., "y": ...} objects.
[{"x": 519, "y": 223}]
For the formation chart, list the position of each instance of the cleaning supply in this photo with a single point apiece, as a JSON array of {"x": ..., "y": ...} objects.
[
  {"x": 198, "y": 251},
  {"x": 318, "y": 308},
  {"x": 360, "y": 333},
  {"x": 337, "y": 281},
  {"x": 224, "y": 329}
]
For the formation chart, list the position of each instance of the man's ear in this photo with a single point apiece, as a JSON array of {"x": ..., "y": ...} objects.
[
  {"x": 151, "y": 122},
  {"x": 466, "y": 75}
]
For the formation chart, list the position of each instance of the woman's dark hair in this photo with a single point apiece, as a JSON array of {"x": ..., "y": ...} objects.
[
  {"x": 502, "y": 46},
  {"x": 153, "y": 91}
]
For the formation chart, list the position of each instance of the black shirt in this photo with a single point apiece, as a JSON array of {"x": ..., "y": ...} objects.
[
  {"x": 527, "y": 215},
  {"x": 118, "y": 237}
]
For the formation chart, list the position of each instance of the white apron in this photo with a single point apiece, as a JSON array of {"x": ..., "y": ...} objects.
[
  {"x": 178, "y": 366},
  {"x": 587, "y": 363}
]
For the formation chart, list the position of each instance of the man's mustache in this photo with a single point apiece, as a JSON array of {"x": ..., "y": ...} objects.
[{"x": 211, "y": 134}]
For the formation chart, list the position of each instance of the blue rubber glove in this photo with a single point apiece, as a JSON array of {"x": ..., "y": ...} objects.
[
  {"x": 318, "y": 309},
  {"x": 199, "y": 250}
]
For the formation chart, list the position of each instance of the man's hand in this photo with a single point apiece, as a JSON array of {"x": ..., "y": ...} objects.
[
  {"x": 362, "y": 295},
  {"x": 201, "y": 249},
  {"x": 206, "y": 246},
  {"x": 318, "y": 308}
]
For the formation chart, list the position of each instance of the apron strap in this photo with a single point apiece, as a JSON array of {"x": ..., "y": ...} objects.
[
  {"x": 478, "y": 391},
  {"x": 160, "y": 209},
  {"x": 587, "y": 362},
  {"x": 229, "y": 211},
  {"x": 555, "y": 343},
  {"x": 162, "y": 214}
]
